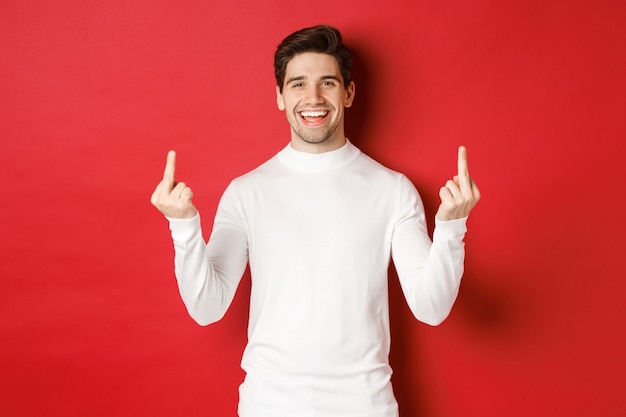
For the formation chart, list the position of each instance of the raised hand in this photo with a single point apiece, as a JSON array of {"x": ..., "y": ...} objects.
[
  {"x": 171, "y": 198},
  {"x": 460, "y": 194}
]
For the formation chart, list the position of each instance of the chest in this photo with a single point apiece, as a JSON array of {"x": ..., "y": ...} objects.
[{"x": 336, "y": 211}]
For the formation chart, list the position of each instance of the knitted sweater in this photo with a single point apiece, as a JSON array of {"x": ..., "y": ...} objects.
[{"x": 318, "y": 231}]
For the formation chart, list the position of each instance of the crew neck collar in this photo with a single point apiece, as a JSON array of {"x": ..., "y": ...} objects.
[{"x": 318, "y": 162}]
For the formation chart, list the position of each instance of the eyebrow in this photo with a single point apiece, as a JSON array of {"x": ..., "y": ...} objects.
[{"x": 303, "y": 77}]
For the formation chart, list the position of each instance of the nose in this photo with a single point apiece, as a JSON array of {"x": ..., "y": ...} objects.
[{"x": 313, "y": 95}]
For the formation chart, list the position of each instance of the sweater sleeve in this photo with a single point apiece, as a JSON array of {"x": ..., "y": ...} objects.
[
  {"x": 208, "y": 273},
  {"x": 429, "y": 271}
]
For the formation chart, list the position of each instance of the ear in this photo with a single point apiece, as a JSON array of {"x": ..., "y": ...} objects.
[
  {"x": 349, "y": 95},
  {"x": 279, "y": 99}
]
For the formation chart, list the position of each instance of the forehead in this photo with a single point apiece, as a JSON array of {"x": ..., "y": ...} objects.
[{"x": 312, "y": 64}]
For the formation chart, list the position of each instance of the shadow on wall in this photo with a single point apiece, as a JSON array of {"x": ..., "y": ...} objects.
[
  {"x": 409, "y": 386},
  {"x": 482, "y": 309},
  {"x": 359, "y": 116},
  {"x": 487, "y": 302}
]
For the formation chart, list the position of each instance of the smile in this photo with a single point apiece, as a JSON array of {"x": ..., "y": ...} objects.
[{"x": 318, "y": 113}]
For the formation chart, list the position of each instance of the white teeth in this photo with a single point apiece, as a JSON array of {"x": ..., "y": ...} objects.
[{"x": 318, "y": 113}]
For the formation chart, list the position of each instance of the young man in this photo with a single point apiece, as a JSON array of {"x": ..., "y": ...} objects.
[{"x": 318, "y": 223}]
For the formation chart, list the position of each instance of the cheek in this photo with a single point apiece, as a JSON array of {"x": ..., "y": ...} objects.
[{"x": 288, "y": 103}]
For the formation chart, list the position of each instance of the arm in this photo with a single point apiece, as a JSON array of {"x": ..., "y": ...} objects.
[
  {"x": 207, "y": 274},
  {"x": 430, "y": 274}
]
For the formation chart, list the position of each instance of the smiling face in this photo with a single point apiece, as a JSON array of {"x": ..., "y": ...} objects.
[{"x": 314, "y": 99}]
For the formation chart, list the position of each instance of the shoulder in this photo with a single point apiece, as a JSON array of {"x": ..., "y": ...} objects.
[
  {"x": 388, "y": 182},
  {"x": 255, "y": 179},
  {"x": 377, "y": 169}
]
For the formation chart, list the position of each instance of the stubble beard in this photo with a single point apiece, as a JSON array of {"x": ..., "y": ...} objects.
[
  {"x": 312, "y": 135},
  {"x": 316, "y": 137}
]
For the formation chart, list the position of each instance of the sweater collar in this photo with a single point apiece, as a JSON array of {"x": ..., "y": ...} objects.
[{"x": 318, "y": 162}]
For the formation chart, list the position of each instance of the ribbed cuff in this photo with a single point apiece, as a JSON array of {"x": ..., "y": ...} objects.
[
  {"x": 450, "y": 229},
  {"x": 183, "y": 230}
]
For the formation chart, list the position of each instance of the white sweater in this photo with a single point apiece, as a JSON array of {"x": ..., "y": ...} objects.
[{"x": 318, "y": 231}]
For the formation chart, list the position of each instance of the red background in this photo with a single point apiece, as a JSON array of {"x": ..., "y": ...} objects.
[{"x": 93, "y": 94}]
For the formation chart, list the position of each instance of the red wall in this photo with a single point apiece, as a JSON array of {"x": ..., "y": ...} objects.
[{"x": 93, "y": 94}]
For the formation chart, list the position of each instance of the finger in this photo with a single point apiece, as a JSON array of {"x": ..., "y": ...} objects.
[
  {"x": 475, "y": 191},
  {"x": 454, "y": 189},
  {"x": 187, "y": 194},
  {"x": 462, "y": 162},
  {"x": 446, "y": 195},
  {"x": 179, "y": 191},
  {"x": 170, "y": 170},
  {"x": 154, "y": 198},
  {"x": 463, "y": 175}
]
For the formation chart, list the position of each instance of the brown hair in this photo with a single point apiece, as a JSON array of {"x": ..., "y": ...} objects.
[{"x": 322, "y": 39}]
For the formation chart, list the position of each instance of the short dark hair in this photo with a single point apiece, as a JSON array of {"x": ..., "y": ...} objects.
[{"x": 322, "y": 39}]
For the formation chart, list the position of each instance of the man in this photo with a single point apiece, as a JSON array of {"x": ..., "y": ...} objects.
[{"x": 318, "y": 223}]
